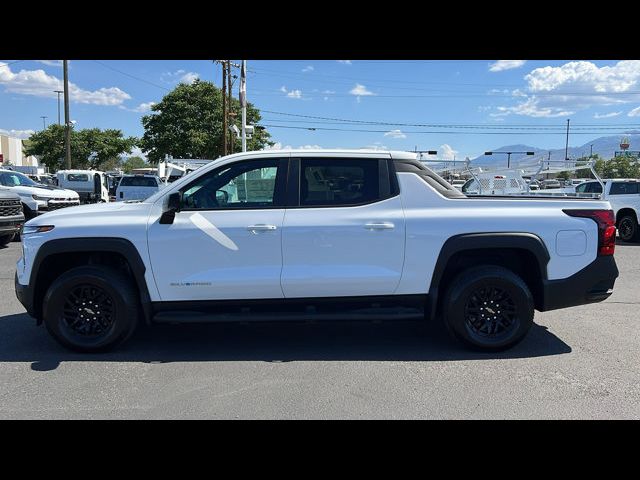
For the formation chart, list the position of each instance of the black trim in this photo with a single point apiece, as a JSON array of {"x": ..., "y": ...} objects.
[
  {"x": 594, "y": 283},
  {"x": 474, "y": 241},
  {"x": 434, "y": 180},
  {"x": 89, "y": 244},
  {"x": 379, "y": 307},
  {"x": 393, "y": 178},
  {"x": 293, "y": 183}
]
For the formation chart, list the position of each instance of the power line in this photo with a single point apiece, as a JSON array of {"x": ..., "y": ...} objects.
[{"x": 132, "y": 76}]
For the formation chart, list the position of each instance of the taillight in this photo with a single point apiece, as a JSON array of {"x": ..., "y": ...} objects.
[{"x": 606, "y": 228}]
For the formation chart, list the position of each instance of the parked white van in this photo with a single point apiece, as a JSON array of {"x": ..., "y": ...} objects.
[
  {"x": 91, "y": 185},
  {"x": 137, "y": 187}
]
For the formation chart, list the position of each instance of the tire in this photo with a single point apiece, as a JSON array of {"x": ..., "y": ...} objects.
[
  {"x": 464, "y": 308},
  {"x": 109, "y": 294},
  {"x": 628, "y": 229},
  {"x": 5, "y": 239}
]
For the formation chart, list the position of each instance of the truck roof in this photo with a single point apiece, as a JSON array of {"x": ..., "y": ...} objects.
[{"x": 396, "y": 154}]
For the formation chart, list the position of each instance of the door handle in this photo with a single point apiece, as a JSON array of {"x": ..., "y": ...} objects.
[
  {"x": 379, "y": 226},
  {"x": 261, "y": 228}
]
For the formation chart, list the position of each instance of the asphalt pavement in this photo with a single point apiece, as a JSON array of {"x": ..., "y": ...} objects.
[{"x": 582, "y": 362}]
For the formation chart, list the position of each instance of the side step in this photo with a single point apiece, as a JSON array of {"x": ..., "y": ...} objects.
[{"x": 351, "y": 309}]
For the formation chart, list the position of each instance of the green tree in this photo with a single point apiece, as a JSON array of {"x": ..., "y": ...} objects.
[
  {"x": 187, "y": 123},
  {"x": 562, "y": 175},
  {"x": 132, "y": 163},
  {"x": 90, "y": 148},
  {"x": 619, "y": 167}
]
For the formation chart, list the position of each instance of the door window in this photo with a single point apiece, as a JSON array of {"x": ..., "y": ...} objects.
[
  {"x": 243, "y": 185},
  {"x": 339, "y": 182}
]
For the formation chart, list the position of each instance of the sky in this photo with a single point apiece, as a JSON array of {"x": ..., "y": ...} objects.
[{"x": 458, "y": 107}]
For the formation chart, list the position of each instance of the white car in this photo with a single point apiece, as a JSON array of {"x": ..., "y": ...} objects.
[
  {"x": 37, "y": 198},
  {"x": 624, "y": 196},
  {"x": 314, "y": 234},
  {"x": 137, "y": 187}
]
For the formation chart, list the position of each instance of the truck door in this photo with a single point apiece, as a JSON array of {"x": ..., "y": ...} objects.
[{"x": 346, "y": 236}]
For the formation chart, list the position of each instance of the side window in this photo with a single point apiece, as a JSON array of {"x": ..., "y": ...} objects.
[
  {"x": 582, "y": 188},
  {"x": 242, "y": 185},
  {"x": 623, "y": 188},
  {"x": 340, "y": 182}
]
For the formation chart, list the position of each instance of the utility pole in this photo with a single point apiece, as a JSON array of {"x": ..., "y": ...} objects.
[
  {"x": 566, "y": 146},
  {"x": 591, "y": 153},
  {"x": 224, "y": 107},
  {"x": 229, "y": 97},
  {"x": 58, "y": 92},
  {"x": 243, "y": 103},
  {"x": 548, "y": 163},
  {"x": 67, "y": 121},
  {"x": 44, "y": 123}
]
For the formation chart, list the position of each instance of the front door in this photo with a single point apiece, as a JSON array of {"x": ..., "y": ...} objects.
[
  {"x": 225, "y": 243},
  {"x": 346, "y": 236}
]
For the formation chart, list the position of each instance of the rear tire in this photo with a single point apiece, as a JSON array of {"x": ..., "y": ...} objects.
[
  {"x": 91, "y": 308},
  {"x": 488, "y": 308},
  {"x": 628, "y": 229},
  {"x": 5, "y": 239}
]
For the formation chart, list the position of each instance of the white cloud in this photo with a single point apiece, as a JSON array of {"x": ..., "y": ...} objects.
[
  {"x": 308, "y": 68},
  {"x": 189, "y": 78},
  {"x": 275, "y": 146},
  {"x": 309, "y": 147},
  {"x": 345, "y": 62},
  {"x": 137, "y": 152},
  {"x": 142, "y": 108},
  {"x": 38, "y": 83},
  {"x": 52, "y": 63},
  {"x": 397, "y": 133},
  {"x": 574, "y": 86},
  {"x": 501, "y": 65},
  {"x": 607, "y": 115},
  {"x": 360, "y": 91},
  {"x": 17, "y": 133},
  {"x": 634, "y": 113},
  {"x": 283, "y": 89},
  {"x": 180, "y": 76},
  {"x": 446, "y": 152},
  {"x": 376, "y": 146},
  {"x": 328, "y": 92},
  {"x": 294, "y": 94}
]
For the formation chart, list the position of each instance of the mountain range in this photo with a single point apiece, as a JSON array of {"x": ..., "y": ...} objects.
[{"x": 603, "y": 146}]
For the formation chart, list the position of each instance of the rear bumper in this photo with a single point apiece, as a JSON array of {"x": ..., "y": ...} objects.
[{"x": 594, "y": 283}]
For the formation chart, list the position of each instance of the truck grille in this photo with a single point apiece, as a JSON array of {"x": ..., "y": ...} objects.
[
  {"x": 9, "y": 208},
  {"x": 59, "y": 205}
]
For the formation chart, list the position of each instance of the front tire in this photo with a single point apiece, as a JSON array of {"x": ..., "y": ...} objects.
[
  {"x": 91, "y": 309},
  {"x": 628, "y": 229},
  {"x": 488, "y": 308}
]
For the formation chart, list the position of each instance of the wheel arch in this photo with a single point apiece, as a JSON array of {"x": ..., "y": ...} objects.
[
  {"x": 485, "y": 248},
  {"x": 87, "y": 247}
]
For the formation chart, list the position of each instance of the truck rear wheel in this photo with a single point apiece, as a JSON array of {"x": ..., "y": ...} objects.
[
  {"x": 628, "y": 229},
  {"x": 91, "y": 308},
  {"x": 488, "y": 308}
]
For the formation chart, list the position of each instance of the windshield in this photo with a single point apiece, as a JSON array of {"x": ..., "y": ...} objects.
[{"x": 16, "y": 179}]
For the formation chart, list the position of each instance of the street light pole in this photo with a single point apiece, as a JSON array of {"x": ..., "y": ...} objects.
[
  {"x": 591, "y": 153},
  {"x": 509, "y": 160},
  {"x": 67, "y": 124},
  {"x": 243, "y": 103},
  {"x": 44, "y": 123},
  {"x": 566, "y": 146},
  {"x": 58, "y": 92}
]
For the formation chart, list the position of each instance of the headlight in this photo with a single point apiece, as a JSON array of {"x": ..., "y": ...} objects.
[
  {"x": 30, "y": 229},
  {"x": 38, "y": 197}
]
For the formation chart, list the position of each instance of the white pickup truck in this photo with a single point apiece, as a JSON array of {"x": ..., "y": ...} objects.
[
  {"x": 624, "y": 196},
  {"x": 314, "y": 234}
]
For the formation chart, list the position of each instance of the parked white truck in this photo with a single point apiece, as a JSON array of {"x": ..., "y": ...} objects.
[
  {"x": 624, "y": 196},
  {"x": 91, "y": 185},
  {"x": 314, "y": 234},
  {"x": 37, "y": 198}
]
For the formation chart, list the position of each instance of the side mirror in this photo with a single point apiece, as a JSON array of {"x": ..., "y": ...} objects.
[{"x": 174, "y": 202}]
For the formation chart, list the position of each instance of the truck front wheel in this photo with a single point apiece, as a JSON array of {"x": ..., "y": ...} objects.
[
  {"x": 91, "y": 308},
  {"x": 488, "y": 308}
]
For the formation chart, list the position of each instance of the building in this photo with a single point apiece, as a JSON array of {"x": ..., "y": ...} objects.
[{"x": 11, "y": 151}]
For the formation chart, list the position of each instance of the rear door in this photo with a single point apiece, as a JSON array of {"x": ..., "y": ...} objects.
[{"x": 345, "y": 233}]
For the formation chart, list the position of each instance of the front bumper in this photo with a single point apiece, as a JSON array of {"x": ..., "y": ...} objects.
[
  {"x": 24, "y": 295},
  {"x": 11, "y": 225},
  {"x": 594, "y": 283}
]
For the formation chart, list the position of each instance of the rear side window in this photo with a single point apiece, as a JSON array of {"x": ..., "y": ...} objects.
[
  {"x": 77, "y": 177},
  {"x": 138, "y": 182},
  {"x": 623, "y": 188},
  {"x": 341, "y": 182}
]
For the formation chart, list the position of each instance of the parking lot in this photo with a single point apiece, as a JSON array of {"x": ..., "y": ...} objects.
[{"x": 576, "y": 363}]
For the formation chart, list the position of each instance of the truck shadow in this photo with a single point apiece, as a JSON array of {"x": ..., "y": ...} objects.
[
  {"x": 627, "y": 244},
  {"x": 22, "y": 341}
]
